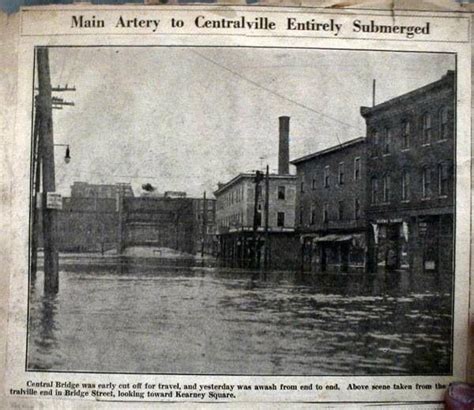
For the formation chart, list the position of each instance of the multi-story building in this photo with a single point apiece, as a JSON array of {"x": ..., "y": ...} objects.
[
  {"x": 157, "y": 222},
  {"x": 250, "y": 236},
  {"x": 235, "y": 209},
  {"x": 410, "y": 178},
  {"x": 330, "y": 207},
  {"x": 89, "y": 218}
]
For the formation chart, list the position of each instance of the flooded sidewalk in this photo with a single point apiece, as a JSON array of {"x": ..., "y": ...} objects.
[{"x": 207, "y": 320}]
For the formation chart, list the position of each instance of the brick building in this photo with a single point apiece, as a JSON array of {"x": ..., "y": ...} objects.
[
  {"x": 158, "y": 222},
  {"x": 89, "y": 218},
  {"x": 87, "y": 224},
  {"x": 330, "y": 207},
  {"x": 410, "y": 179}
]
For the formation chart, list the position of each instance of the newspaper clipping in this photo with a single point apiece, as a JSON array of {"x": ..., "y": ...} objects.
[{"x": 239, "y": 204}]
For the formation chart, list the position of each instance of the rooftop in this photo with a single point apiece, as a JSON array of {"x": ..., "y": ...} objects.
[
  {"x": 445, "y": 79},
  {"x": 248, "y": 175},
  {"x": 329, "y": 150}
]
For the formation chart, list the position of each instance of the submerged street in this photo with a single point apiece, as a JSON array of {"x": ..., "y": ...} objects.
[{"x": 170, "y": 316}]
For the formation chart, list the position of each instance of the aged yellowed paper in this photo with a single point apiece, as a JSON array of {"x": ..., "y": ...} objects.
[{"x": 239, "y": 204}]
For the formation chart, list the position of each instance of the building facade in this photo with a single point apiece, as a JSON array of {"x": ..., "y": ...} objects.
[
  {"x": 85, "y": 190},
  {"x": 241, "y": 220},
  {"x": 410, "y": 179},
  {"x": 330, "y": 208},
  {"x": 157, "y": 222},
  {"x": 205, "y": 230}
]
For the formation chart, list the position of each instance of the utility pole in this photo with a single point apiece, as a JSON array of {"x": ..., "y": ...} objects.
[
  {"x": 204, "y": 223},
  {"x": 258, "y": 179},
  {"x": 267, "y": 206},
  {"x": 373, "y": 92},
  {"x": 45, "y": 103},
  {"x": 35, "y": 189},
  {"x": 51, "y": 282}
]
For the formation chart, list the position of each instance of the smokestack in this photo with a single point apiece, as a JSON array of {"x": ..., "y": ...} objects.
[{"x": 284, "y": 147}]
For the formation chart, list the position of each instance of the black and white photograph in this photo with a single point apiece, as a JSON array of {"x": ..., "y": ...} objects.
[{"x": 231, "y": 210}]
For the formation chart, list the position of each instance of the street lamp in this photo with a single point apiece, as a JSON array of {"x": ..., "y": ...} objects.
[{"x": 67, "y": 156}]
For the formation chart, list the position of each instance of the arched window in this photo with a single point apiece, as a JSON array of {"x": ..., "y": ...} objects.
[
  {"x": 442, "y": 179},
  {"x": 387, "y": 141},
  {"x": 405, "y": 185},
  {"x": 406, "y": 129},
  {"x": 386, "y": 188},
  {"x": 426, "y": 128},
  {"x": 426, "y": 182},
  {"x": 443, "y": 123},
  {"x": 374, "y": 187}
]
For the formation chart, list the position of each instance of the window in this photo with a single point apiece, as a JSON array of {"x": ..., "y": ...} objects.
[
  {"x": 313, "y": 184},
  {"x": 386, "y": 188},
  {"x": 387, "y": 141},
  {"x": 375, "y": 144},
  {"x": 426, "y": 125},
  {"x": 302, "y": 186},
  {"x": 312, "y": 219},
  {"x": 281, "y": 219},
  {"x": 281, "y": 192},
  {"x": 406, "y": 126},
  {"x": 443, "y": 123},
  {"x": 405, "y": 185},
  {"x": 341, "y": 173},
  {"x": 374, "y": 187},
  {"x": 426, "y": 182},
  {"x": 356, "y": 208},
  {"x": 301, "y": 215},
  {"x": 340, "y": 210},
  {"x": 443, "y": 179},
  {"x": 357, "y": 169},
  {"x": 325, "y": 213},
  {"x": 326, "y": 176},
  {"x": 259, "y": 215}
]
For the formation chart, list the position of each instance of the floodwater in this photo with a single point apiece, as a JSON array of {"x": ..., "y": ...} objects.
[{"x": 210, "y": 320}]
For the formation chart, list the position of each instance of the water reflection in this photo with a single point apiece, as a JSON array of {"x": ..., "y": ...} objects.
[{"x": 188, "y": 319}]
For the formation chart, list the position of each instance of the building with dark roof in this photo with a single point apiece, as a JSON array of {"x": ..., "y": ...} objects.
[
  {"x": 330, "y": 207},
  {"x": 410, "y": 179}
]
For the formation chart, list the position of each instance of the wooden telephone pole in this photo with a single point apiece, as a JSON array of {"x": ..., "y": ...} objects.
[
  {"x": 43, "y": 163},
  {"x": 257, "y": 179},
  {"x": 266, "y": 255},
  {"x": 204, "y": 224}
]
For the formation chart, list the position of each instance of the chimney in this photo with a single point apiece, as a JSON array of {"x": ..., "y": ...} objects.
[{"x": 284, "y": 148}]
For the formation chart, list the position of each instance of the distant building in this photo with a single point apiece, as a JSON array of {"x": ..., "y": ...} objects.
[
  {"x": 88, "y": 224},
  {"x": 235, "y": 210},
  {"x": 89, "y": 218},
  {"x": 241, "y": 217},
  {"x": 86, "y": 190},
  {"x": 157, "y": 222},
  {"x": 330, "y": 207},
  {"x": 236, "y": 204},
  {"x": 410, "y": 178},
  {"x": 205, "y": 230},
  {"x": 175, "y": 194}
]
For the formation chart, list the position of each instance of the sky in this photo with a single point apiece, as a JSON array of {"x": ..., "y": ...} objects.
[{"x": 184, "y": 119}]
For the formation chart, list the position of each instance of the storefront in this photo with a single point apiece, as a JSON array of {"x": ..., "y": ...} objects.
[
  {"x": 422, "y": 243},
  {"x": 345, "y": 252}
]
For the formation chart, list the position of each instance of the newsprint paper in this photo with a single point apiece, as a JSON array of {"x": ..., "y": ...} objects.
[{"x": 237, "y": 205}]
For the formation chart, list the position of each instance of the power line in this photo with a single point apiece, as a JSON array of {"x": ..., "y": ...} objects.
[{"x": 277, "y": 94}]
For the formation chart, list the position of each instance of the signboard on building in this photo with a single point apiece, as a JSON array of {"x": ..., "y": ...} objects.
[{"x": 54, "y": 201}]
